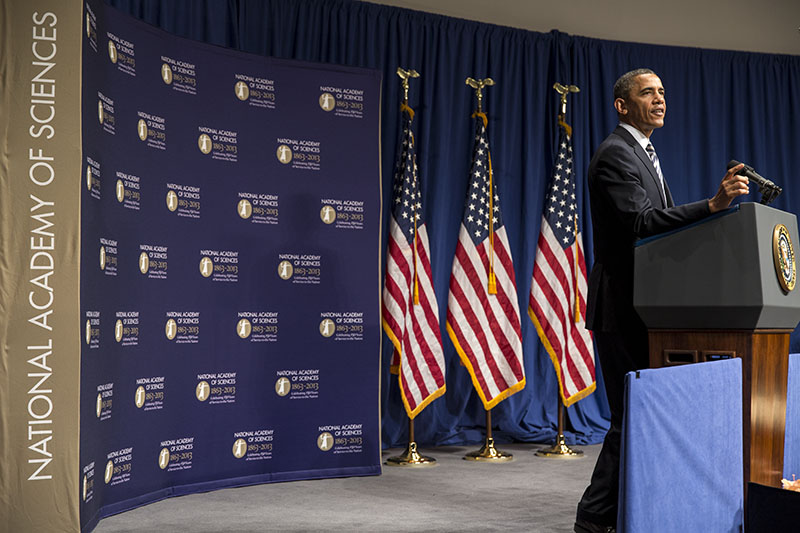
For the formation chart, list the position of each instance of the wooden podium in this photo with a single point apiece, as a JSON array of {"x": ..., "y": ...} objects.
[{"x": 724, "y": 288}]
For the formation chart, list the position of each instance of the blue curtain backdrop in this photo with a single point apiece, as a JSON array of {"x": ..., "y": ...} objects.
[{"x": 722, "y": 105}]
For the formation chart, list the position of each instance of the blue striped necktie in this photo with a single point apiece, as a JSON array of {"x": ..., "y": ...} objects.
[{"x": 651, "y": 153}]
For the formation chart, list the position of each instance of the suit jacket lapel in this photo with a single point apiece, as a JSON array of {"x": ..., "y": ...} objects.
[{"x": 645, "y": 159}]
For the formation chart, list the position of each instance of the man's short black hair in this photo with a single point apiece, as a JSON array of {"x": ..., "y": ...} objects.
[{"x": 623, "y": 86}]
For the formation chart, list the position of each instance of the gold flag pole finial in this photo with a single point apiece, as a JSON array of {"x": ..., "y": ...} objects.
[
  {"x": 405, "y": 75},
  {"x": 564, "y": 90},
  {"x": 478, "y": 85}
]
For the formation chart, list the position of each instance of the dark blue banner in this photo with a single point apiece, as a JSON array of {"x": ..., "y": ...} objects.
[{"x": 229, "y": 268}]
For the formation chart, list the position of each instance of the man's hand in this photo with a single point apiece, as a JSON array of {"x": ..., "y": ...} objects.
[{"x": 732, "y": 185}]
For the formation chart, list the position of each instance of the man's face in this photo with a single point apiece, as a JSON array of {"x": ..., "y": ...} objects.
[{"x": 645, "y": 106}]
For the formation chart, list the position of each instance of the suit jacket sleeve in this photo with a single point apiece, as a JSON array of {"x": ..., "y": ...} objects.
[{"x": 618, "y": 177}]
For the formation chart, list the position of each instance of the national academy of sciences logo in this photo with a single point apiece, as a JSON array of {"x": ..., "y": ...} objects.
[
  {"x": 163, "y": 458},
  {"x": 112, "y": 51},
  {"x": 244, "y": 208},
  {"x": 242, "y": 90},
  {"x": 327, "y": 214},
  {"x": 243, "y": 328},
  {"x": 172, "y": 200},
  {"x": 284, "y": 154},
  {"x": 202, "y": 390},
  {"x": 285, "y": 269},
  {"x": 109, "y": 471},
  {"x": 144, "y": 263},
  {"x": 325, "y": 441},
  {"x": 139, "y": 396},
  {"x": 166, "y": 73},
  {"x": 327, "y": 327},
  {"x": 204, "y": 143},
  {"x": 206, "y": 266},
  {"x": 327, "y": 102},
  {"x": 141, "y": 128},
  {"x": 118, "y": 330},
  {"x": 239, "y": 448},
  {"x": 171, "y": 329},
  {"x": 282, "y": 386}
]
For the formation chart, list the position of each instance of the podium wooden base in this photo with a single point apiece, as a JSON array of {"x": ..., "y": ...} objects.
[{"x": 765, "y": 363}]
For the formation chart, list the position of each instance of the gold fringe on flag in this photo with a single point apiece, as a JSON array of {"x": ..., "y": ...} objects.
[
  {"x": 577, "y": 275},
  {"x": 414, "y": 252}
]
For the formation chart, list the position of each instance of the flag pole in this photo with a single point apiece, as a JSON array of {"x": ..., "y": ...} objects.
[
  {"x": 488, "y": 452},
  {"x": 560, "y": 448},
  {"x": 410, "y": 457}
]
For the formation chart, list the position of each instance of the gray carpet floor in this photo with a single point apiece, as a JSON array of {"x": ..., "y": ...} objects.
[{"x": 529, "y": 493}]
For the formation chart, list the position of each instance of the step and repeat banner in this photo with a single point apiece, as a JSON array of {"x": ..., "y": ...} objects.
[{"x": 230, "y": 270}]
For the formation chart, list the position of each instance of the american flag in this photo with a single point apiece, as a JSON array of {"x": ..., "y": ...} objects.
[
  {"x": 411, "y": 323},
  {"x": 484, "y": 327},
  {"x": 556, "y": 308}
]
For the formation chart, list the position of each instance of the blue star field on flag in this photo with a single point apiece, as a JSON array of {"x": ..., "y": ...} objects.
[
  {"x": 559, "y": 209},
  {"x": 478, "y": 208},
  {"x": 407, "y": 202}
]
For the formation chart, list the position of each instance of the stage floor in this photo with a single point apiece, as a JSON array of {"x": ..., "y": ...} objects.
[{"x": 529, "y": 493}]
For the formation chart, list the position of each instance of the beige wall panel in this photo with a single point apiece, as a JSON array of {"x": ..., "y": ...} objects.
[{"x": 39, "y": 246}]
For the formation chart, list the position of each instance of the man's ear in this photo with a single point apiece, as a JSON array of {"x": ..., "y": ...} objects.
[{"x": 619, "y": 105}]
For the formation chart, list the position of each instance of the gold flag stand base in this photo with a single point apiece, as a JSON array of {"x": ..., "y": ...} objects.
[
  {"x": 411, "y": 457},
  {"x": 559, "y": 449},
  {"x": 489, "y": 453}
]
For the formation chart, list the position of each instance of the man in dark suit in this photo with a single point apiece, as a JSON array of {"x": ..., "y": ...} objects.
[{"x": 630, "y": 200}]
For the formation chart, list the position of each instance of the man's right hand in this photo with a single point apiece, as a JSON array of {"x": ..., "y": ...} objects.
[{"x": 732, "y": 185}]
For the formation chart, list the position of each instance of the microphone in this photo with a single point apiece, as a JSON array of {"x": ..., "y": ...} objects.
[{"x": 769, "y": 191}]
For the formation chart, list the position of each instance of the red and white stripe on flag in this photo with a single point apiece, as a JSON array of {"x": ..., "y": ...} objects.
[
  {"x": 485, "y": 328},
  {"x": 413, "y": 329},
  {"x": 551, "y": 308},
  {"x": 557, "y": 271},
  {"x": 412, "y": 326}
]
